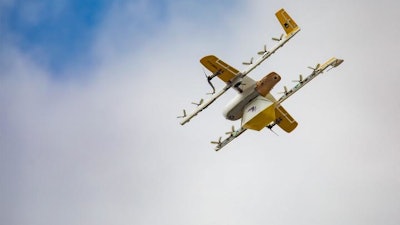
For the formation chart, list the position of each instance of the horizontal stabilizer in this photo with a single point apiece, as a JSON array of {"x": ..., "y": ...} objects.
[{"x": 285, "y": 120}]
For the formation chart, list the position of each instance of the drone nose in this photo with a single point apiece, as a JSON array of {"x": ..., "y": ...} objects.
[
  {"x": 265, "y": 85},
  {"x": 272, "y": 77}
]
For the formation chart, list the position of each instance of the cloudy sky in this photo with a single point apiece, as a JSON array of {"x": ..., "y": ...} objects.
[{"x": 90, "y": 91}]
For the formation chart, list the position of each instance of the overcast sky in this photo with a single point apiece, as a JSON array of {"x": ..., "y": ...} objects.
[{"x": 90, "y": 91}]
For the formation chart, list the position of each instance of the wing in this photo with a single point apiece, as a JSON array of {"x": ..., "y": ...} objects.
[
  {"x": 225, "y": 72},
  {"x": 288, "y": 24},
  {"x": 231, "y": 76},
  {"x": 205, "y": 104},
  {"x": 217, "y": 66},
  {"x": 286, "y": 121}
]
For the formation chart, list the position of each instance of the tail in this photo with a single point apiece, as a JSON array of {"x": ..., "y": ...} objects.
[
  {"x": 285, "y": 120},
  {"x": 288, "y": 24}
]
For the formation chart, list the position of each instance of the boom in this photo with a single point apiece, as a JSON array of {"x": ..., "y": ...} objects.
[{"x": 333, "y": 62}]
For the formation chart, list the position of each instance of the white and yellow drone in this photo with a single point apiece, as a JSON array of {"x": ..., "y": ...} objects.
[{"x": 254, "y": 104}]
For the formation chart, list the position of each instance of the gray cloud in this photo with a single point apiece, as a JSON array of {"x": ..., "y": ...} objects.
[{"x": 107, "y": 148}]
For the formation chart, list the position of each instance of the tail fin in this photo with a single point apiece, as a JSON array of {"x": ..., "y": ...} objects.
[
  {"x": 286, "y": 121},
  {"x": 288, "y": 24}
]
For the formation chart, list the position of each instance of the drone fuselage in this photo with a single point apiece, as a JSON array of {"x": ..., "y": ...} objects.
[{"x": 234, "y": 109}]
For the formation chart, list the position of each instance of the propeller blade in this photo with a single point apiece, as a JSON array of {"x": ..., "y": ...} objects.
[
  {"x": 205, "y": 74},
  {"x": 209, "y": 82},
  {"x": 183, "y": 116},
  {"x": 201, "y": 102},
  {"x": 264, "y": 50},
  {"x": 248, "y": 63},
  {"x": 300, "y": 80},
  {"x": 270, "y": 126},
  {"x": 316, "y": 67},
  {"x": 285, "y": 90},
  {"x": 232, "y": 131},
  {"x": 273, "y": 132},
  {"x": 278, "y": 39},
  {"x": 217, "y": 142},
  {"x": 213, "y": 88}
]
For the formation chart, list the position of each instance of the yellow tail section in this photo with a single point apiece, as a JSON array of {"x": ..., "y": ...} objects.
[
  {"x": 286, "y": 121},
  {"x": 288, "y": 24},
  {"x": 258, "y": 114}
]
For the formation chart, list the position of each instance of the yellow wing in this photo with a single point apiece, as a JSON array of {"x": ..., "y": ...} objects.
[
  {"x": 286, "y": 121},
  {"x": 217, "y": 66},
  {"x": 288, "y": 24}
]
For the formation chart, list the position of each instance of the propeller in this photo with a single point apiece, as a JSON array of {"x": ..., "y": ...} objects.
[
  {"x": 316, "y": 67},
  {"x": 285, "y": 90},
  {"x": 270, "y": 128},
  {"x": 263, "y": 51},
  {"x": 271, "y": 125},
  {"x": 209, "y": 78},
  {"x": 300, "y": 80},
  {"x": 217, "y": 142},
  {"x": 198, "y": 104},
  {"x": 278, "y": 39},
  {"x": 248, "y": 63},
  {"x": 231, "y": 132},
  {"x": 183, "y": 116}
]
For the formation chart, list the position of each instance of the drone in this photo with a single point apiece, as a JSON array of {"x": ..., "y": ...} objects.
[{"x": 254, "y": 105}]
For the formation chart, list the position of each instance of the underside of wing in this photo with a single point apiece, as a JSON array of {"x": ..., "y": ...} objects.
[
  {"x": 219, "y": 67},
  {"x": 285, "y": 120}
]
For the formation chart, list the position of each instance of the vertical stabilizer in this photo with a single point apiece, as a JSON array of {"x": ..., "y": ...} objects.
[
  {"x": 286, "y": 121},
  {"x": 288, "y": 24}
]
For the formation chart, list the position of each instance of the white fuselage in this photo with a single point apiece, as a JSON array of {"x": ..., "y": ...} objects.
[{"x": 234, "y": 109}]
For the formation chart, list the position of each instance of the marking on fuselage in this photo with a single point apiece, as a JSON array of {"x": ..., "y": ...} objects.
[{"x": 252, "y": 109}]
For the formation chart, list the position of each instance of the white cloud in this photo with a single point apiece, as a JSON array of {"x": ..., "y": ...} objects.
[{"x": 107, "y": 148}]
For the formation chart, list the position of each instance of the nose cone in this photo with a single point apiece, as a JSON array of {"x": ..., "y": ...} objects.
[{"x": 265, "y": 85}]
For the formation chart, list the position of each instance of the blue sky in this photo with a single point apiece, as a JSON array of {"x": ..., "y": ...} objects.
[
  {"x": 56, "y": 35},
  {"x": 103, "y": 146},
  {"x": 60, "y": 34}
]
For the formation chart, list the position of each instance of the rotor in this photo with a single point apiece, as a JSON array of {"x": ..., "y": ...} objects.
[
  {"x": 217, "y": 142},
  {"x": 209, "y": 78}
]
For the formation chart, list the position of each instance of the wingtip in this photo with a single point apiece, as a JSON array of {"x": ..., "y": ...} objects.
[{"x": 338, "y": 62}]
